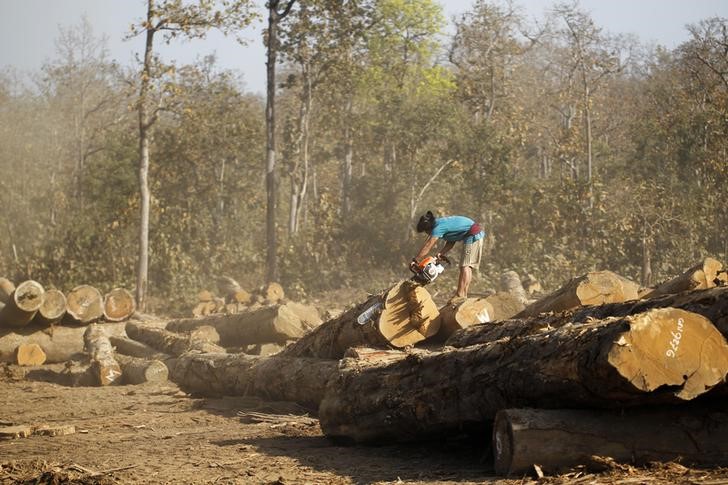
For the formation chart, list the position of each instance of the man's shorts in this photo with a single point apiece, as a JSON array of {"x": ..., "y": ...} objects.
[{"x": 471, "y": 254}]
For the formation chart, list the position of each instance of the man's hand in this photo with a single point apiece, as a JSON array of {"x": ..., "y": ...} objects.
[{"x": 413, "y": 265}]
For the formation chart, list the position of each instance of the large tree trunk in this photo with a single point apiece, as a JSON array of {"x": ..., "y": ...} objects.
[
  {"x": 169, "y": 342},
  {"x": 558, "y": 439},
  {"x": 712, "y": 304},
  {"x": 273, "y": 324},
  {"x": 401, "y": 316},
  {"x": 118, "y": 305},
  {"x": 84, "y": 304},
  {"x": 52, "y": 309},
  {"x": 22, "y": 304},
  {"x": 593, "y": 288},
  {"x": 661, "y": 356},
  {"x": 276, "y": 378},
  {"x": 104, "y": 367},
  {"x": 699, "y": 277},
  {"x": 60, "y": 343}
]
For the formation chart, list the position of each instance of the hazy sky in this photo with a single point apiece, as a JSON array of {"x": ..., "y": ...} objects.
[{"x": 28, "y": 28}]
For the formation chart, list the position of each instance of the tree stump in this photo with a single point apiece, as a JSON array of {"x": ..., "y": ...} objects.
[
  {"x": 398, "y": 317},
  {"x": 104, "y": 367},
  {"x": 84, "y": 304},
  {"x": 22, "y": 304},
  {"x": 52, "y": 309},
  {"x": 661, "y": 356},
  {"x": 119, "y": 305},
  {"x": 593, "y": 288},
  {"x": 558, "y": 439}
]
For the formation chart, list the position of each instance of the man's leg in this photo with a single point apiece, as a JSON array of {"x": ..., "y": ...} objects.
[{"x": 466, "y": 275}]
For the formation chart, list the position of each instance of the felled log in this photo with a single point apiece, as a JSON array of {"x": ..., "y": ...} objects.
[
  {"x": 119, "y": 305},
  {"x": 139, "y": 371},
  {"x": 504, "y": 304},
  {"x": 283, "y": 379},
  {"x": 29, "y": 354},
  {"x": 593, "y": 288},
  {"x": 104, "y": 367},
  {"x": 22, "y": 304},
  {"x": 454, "y": 317},
  {"x": 558, "y": 439},
  {"x": 133, "y": 348},
  {"x": 698, "y": 277},
  {"x": 52, "y": 309},
  {"x": 60, "y": 343},
  {"x": 6, "y": 289},
  {"x": 662, "y": 356},
  {"x": 531, "y": 285},
  {"x": 712, "y": 304},
  {"x": 273, "y": 293},
  {"x": 398, "y": 317},
  {"x": 308, "y": 314},
  {"x": 510, "y": 282},
  {"x": 169, "y": 342},
  {"x": 84, "y": 304},
  {"x": 273, "y": 324}
]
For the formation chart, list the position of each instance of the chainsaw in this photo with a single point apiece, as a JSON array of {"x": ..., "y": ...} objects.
[{"x": 428, "y": 269}]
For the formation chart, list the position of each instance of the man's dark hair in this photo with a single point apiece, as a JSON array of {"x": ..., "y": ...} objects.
[{"x": 426, "y": 222}]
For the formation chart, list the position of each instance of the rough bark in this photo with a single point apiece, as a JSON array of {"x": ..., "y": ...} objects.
[
  {"x": 701, "y": 276},
  {"x": 611, "y": 363},
  {"x": 283, "y": 379},
  {"x": 400, "y": 316},
  {"x": 84, "y": 304},
  {"x": 593, "y": 288},
  {"x": 104, "y": 367},
  {"x": 712, "y": 304},
  {"x": 22, "y": 304},
  {"x": 139, "y": 371},
  {"x": 29, "y": 354},
  {"x": 272, "y": 324},
  {"x": 60, "y": 343},
  {"x": 472, "y": 311},
  {"x": 169, "y": 342},
  {"x": 52, "y": 309},
  {"x": 118, "y": 305},
  {"x": 558, "y": 439}
]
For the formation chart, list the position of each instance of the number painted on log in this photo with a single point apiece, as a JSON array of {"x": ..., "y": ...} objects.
[{"x": 676, "y": 337}]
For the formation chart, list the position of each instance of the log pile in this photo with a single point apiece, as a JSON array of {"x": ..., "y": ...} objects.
[
  {"x": 598, "y": 367},
  {"x": 231, "y": 298}
]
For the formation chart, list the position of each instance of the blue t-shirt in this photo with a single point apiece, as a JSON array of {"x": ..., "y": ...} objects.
[{"x": 455, "y": 228}]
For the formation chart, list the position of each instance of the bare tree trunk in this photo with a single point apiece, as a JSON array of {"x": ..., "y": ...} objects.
[
  {"x": 144, "y": 127},
  {"x": 270, "y": 121},
  {"x": 346, "y": 170}
]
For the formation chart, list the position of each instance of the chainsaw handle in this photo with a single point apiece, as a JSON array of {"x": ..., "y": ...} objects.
[{"x": 441, "y": 257}]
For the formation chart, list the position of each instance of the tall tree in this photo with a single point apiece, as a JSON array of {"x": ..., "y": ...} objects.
[{"x": 171, "y": 18}]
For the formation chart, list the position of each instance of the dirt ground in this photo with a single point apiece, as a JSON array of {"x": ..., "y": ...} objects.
[{"x": 159, "y": 434}]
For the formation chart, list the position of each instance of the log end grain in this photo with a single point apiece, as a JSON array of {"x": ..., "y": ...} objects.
[
  {"x": 85, "y": 304},
  {"x": 671, "y": 347},
  {"x": 409, "y": 315},
  {"x": 29, "y": 354},
  {"x": 472, "y": 311},
  {"x": 119, "y": 305},
  {"x": 53, "y": 307}
]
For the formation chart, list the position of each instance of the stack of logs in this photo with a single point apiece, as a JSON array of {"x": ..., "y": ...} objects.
[
  {"x": 39, "y": 325},
  {"x": 235, "y": 299},
  {"x": 599, "y": 367}
]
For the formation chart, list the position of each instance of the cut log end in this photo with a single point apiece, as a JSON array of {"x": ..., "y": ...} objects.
[
  {"x": 273, "y": 292},
  {"x": 30, "y": 354},
  {"x": 470, "y": 312},
  {"x": 53, "y": 307},
  {"x": 85, "y": 304},
  {"x": 669, "y": 347},
  {"x": 118, "y": 305},
  {"x": 22, "y": 304},
  {"x": 409, "y": 315}
]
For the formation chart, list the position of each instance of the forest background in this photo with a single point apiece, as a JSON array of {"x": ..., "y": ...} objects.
[{"x": 577, "y": 150}]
